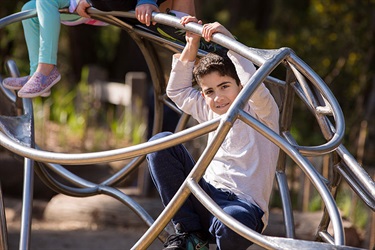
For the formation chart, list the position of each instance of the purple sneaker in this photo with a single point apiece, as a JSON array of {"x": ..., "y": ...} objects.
[
  {"x": 39, "y": 84},
  {"x": 16, "y": 83}
]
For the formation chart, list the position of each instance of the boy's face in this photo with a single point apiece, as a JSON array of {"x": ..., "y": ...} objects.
[{"x": 219, "y": 91}]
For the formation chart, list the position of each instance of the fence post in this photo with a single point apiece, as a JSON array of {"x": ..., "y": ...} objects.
[
  {"x": 3, "y": 226},
  {"x": 139, "y": 110}
]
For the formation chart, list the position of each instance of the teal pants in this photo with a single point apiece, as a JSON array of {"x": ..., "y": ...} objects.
[{"x": 42, "y": 32}]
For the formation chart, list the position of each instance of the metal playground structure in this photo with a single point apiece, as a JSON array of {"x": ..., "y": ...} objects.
[{"x": 17, "y": 135}]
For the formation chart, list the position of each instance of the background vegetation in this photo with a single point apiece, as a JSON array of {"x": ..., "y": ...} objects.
[{"x": 336, "y": 38}]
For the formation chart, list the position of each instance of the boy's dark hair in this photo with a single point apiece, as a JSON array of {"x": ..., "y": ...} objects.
[{"x": 215, "y": 63}]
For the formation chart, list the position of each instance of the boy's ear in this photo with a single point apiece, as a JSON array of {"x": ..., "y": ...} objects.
[{"x": 202, "y": 94}]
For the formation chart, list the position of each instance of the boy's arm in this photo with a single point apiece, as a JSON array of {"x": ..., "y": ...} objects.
[
  {"x": 261, "y": 101},
  {"x": 245, "y": 68},
  {"x": 179, "y": 88},
  {"x": 190, "y": 50}
]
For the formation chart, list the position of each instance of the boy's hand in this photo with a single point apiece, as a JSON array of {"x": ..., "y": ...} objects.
[
  {"x": 211, "y": 28},
  {"x": 192, "y": 40},
  {"x": 143, "y": 13},
  {"x": 190, "y": 37}
]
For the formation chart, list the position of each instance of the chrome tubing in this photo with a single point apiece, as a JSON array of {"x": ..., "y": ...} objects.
[{"x": 267, "y": 60}]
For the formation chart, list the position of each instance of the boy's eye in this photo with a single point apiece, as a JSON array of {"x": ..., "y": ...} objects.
[
  {"x": 225, "y": 86},
  {"x": 208, "y": 92}
]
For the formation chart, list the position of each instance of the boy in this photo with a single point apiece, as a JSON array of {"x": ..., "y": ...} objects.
[{"x": 240, "y": 177}]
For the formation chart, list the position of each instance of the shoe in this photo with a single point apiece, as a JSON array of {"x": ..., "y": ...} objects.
[
  {"x": 185, "y": 241},
  {"x": 16, "y": 83},
  {"x": 39, "y": 84}
]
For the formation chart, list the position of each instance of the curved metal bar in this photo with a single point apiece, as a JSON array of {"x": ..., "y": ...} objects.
[
  {"x": 27, "y": 202},
  {"x": 307, "y": 168},
  {"x": 109, "y": 155},
  {"x": 8, "y": 93},
  {"x": 263, "y": 241},
  {"x": 59, "y": 187},
  {"x": 211, "y": 150},
  {"x": 65, "y": 174},
  {"x": 182, "y": 122},
  {"x": 183, "y": 192},
  {"x": 357, "y": 186},
  {"x": 202, "y": 163},
  {"x": 259, "y": 57},
  {"x": 228, "y": 220},
  {"x": 312, "y": 103},
  {"x": 26, "y": 139},
  {"x": 95, "y": 189},
  {"x": 267, "y": 60},
  {"x": 361, "y": 175},
  {"x": 16, "y": 17},
  {"x": 125, "y": 171},
  {"x": 286, "y": 204},
  {"x": 336, "y": 139},
  {"x": 125, "y": 199}
]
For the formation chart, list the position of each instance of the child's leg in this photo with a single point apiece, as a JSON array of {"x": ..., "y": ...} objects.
[
  {"x": 246, "y": 213},
  {"x": 31, "y": 31},
  {"x": 46, "y": 74},
  {"x": 42, "y": 43},
  {"x": 49, "y": 18},
  {"x": 169, "y": 168}
]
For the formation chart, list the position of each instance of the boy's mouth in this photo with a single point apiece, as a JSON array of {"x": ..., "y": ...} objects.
[{"x": 222, "y": 105}]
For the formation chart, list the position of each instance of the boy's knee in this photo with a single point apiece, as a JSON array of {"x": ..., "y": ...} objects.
[
  {"x": 160, "y": 135},
  {"x": 30, "y": 5},
  {"x": 152, "y": 156}
]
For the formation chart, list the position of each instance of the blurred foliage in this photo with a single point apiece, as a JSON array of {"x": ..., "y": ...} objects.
[{"x": 336, "y": 38}]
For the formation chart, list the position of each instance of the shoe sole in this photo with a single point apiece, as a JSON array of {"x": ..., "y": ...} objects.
[
  {"x": 11, "y": 87},
  {"x": 44, "y": 93}
]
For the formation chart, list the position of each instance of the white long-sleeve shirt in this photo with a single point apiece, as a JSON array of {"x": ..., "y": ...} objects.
[{"x": 246, "y": 161}]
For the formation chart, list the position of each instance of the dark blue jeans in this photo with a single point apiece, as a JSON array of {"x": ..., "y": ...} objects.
[{"x": 169, "y": 168}]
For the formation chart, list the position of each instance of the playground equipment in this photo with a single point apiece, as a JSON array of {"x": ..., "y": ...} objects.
[{"x": 17, "y": 135}]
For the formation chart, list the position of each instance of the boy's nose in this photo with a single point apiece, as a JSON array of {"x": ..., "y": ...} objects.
[{"x": 218, "y": 97}]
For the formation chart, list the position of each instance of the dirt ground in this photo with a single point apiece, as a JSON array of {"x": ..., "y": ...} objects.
[
  {"x": 71, "y": 234},
  {"x": 73, "y": 231},
  {"x": 100, "y": 222}
]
